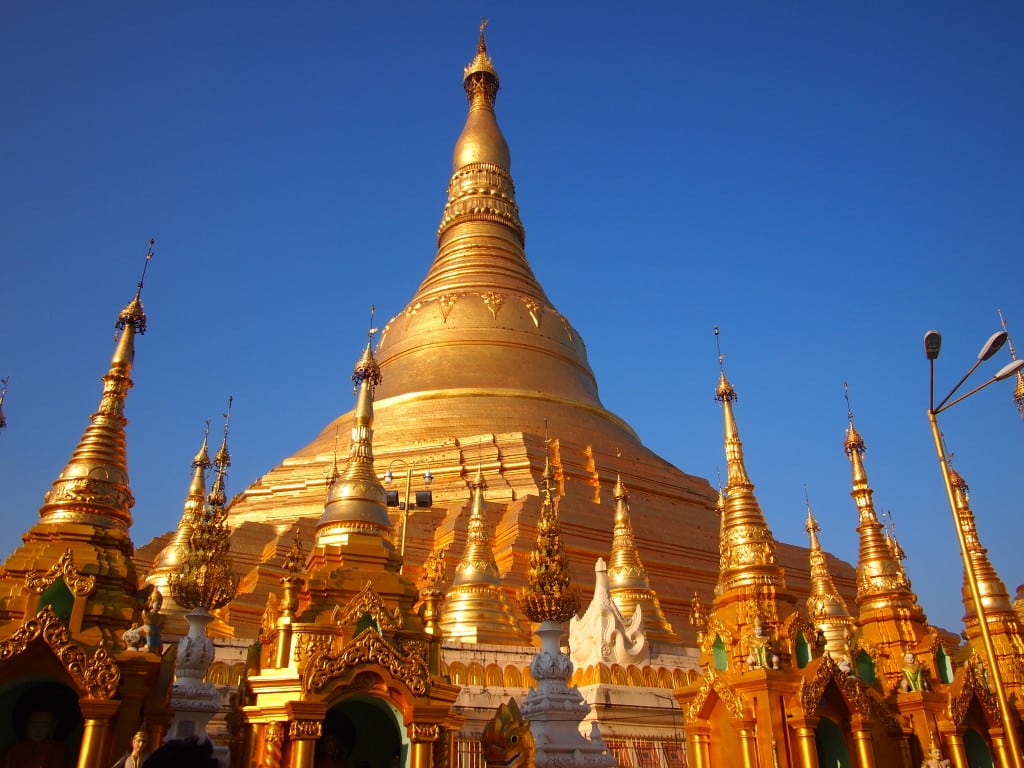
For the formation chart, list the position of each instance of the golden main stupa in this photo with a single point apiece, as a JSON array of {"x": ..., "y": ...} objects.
[{"x": 317, "y": 620}]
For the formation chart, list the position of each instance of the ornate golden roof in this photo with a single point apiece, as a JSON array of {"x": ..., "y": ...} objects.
[
  {"x": 550, "y": 594},
  {"x": 476, "y": 609},
  {"x": 628, "y": 583}
]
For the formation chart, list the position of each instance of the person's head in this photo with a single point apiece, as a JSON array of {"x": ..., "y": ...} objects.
[
  {"x": 40, "y": 725},
  {"x": 176, "y": 753}
]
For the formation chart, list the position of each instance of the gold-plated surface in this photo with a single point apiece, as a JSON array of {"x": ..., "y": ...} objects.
[
  {"x": 204, "y": 577},
  {"x": 825, "y": 606},
  {"x": 628, "y": 584},
  {"x": 476, "y": 609},
  {"x": 550, "y": 594}
]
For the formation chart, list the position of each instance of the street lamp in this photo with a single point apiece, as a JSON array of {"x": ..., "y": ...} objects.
[
  {"x": 424, "y": 499},
  {"x": 932, "y": 345}
]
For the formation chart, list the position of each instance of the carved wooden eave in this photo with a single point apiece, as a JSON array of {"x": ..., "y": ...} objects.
[
  {"x": 967, "y": 685},
  {"x": 713, "y": 688},
  {"x": 367, "y": 648},
  {"x": 80, "y": 584},
  {"x": 368, "y": 602},
  {"x": 96, "y": 677}
]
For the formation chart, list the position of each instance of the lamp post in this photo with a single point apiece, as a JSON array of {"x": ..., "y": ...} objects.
[
  {"x": 932, "y": 345},
  {"x": 406, "y": 511}
]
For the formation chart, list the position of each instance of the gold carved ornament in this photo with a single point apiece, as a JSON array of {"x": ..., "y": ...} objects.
[
  {"x": 711, "y": 682},
  {"x": 368, "y": 602},
  {"x": 812, "y": 691},
  {"x": 79, "y": 584},
  {"x": 366, "y": 648},
  {"x": 425, "y": 732},
  {"x": 98, "y": 676},
  {"x": 971, "y": 686},
  {"x": 305, "y": 729}
]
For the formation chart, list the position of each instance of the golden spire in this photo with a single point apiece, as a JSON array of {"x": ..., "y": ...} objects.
[
  {"x": 551, "y": 595},
  {"x": 93, "y": 487},
  {"x": 171, "y": 555},
  {"x": 3, "y": 394},
  {"x": 880, "y": 574},
  {"x": 991, "y": 588},
  {"x": 356, "y": 502},
  {"x": 747, "y": 544},
  {"x": 204, "y": 579},
  {"x": 628, "y": 584},
  {"x": 1018, "y": 391},
  {"x": 476, "y": 610},
  {"x": 825, "y": 606}
]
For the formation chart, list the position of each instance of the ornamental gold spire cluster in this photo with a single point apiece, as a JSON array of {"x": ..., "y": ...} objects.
[
  {"x": 171, "y": 555},
  {"x": 476, "y": 610},
  {"x": 356, "y": 502},
  {"x": 93, "y": 488},
  {"x": 551, "y": 595},
  {"x": 825, "y": 606},
  {"x": 628, "y": 583},
  {"x": 204, "y": 577}
]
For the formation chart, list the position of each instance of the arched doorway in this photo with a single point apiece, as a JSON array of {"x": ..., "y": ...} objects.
[
  {"x": 831, "y": 745},
  {"x": 978, "y": 754},
  {"x": 361, "y": 732},
  {"x": 40, "y": 716}
]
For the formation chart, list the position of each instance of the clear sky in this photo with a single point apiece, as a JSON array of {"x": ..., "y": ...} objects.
[{"x": 824, "y": 181}]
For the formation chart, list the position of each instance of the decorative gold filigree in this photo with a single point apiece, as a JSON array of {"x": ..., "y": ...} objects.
[
  {"x": 305, "y": 729},
  {"x": 534, "y": 308},
  {"x": 98, "y": 676},
  {"x": 308, "y": 645},
  {"x": 79, "y": 584},
  {"x": 967, "y": 686},
  {"x": 445, "y": 304},
  {"x": 712, "y": 682},
  {"x": 435, "y": 574},
  {"x": 366, "y": 648},
  {"x": 367, "y": 601},
  {"x": 493, "y": 302},
  {"x": 425, "y": 732}
]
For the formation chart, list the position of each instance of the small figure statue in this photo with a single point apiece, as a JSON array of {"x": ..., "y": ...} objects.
[
  {"x": 699, "y": 618},
  {"x": 761, "y": 654},
  {"x": 935, "y": 758},
  {"x": 134, "y": 638},
  {"x": 913, "y": 675},
  {"x": 845, "y": 665},
  {"x": 153, "y": 620},
  {"x": 134, "y": 757}
]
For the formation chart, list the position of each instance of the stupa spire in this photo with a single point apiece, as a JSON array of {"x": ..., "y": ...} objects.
[
  {"x": 881, "y": 577},
  {"x": 171, "y": 555},
  {"x": 1018, "y": 390},
  {"x": 991, "y": 588},
  {"x": 628, "y": 582},
  {"x": 825, "y": 606},
  {"x": 356, "y": 502},
  {"x": 747, "y": 544},
  {"x": 93, "y": 488},
  {"x": 476, "y": 609}
]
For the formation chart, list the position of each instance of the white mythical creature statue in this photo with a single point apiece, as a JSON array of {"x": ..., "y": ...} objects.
[{"x": 601, "y": 634}]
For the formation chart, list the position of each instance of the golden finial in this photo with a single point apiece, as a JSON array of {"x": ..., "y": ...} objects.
[
  {"x": 332, "y": 478},
  {"x": 133, "y": 314},
  {"x": 222, "y": 460},
  {"x": 550, "y": 594},
  {"x": 480, "y": 78},
  {"x": 366, "y": 368},
  {"x": 1018, "y": 391},
  {"x": 854, "y": 442},
  {"x": 3, "y": 394},
  {"x": 481, "y": 46},
  {"x": 724, "y": 392},
  {"x": 295, "y": 558}
]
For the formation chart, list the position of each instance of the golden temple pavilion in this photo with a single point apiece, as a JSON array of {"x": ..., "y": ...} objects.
[{"x": 339, "y": 625}]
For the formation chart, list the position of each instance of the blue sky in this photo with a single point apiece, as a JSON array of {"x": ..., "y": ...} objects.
[{"x": 823, "y": 181}]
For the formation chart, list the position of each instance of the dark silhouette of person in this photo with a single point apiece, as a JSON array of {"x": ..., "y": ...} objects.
[{"x": 178, "y": 753}]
